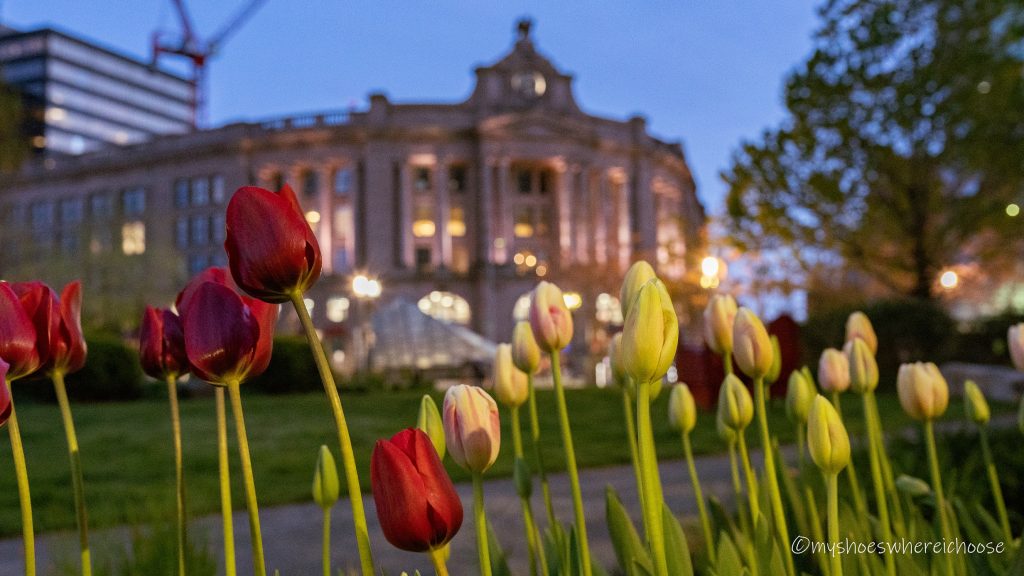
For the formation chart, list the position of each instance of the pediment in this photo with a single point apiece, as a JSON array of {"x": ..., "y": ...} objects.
[{"x": 535, "y": 127}]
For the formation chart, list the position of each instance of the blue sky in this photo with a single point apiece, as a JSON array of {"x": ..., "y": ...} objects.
[{"x": 707, "y": 73}]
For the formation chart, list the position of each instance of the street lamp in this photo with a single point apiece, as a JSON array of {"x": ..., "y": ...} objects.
[
  {"x": 712, "y": 272},
  {"x": 366, "y": 290}
]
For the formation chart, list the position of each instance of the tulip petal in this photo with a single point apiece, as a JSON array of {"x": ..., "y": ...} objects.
[
  {"x": 40, "y": 303},
  {"x": 398, "y": 492},
  {"x": 444, "y": 507},
  {"x": 17, "y": 335},
  {"x": 70, "y": 349},
  {"x": 6, "y": 406},
  {"x": 221, "y": 334}
]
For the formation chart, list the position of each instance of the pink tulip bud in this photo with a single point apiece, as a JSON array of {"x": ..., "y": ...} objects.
[
  {"x": 923, "y": 391},
  {"x": 833, "y": 371},
  {"x": 1015, "y": 342},
  {"x": 859, "y": 326},
  {"x": 753, "y": 347},
  {"x": 550, "y": 318},
  {"x": 471, "y": 427}
]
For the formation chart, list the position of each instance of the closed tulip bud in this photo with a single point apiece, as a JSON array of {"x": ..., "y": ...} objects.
[
  {"x": 776, "y": 368},
  {"x": 975, "y": 404},
  {"x": 272, "y": 252},
  {"x": 638, "y": 274},
  {"x": 550, "y": 318},
  {"x": 833, "y": 371},
  {"x": 827, "y": 440},
  {"x": 651, "y": 334},
  {"x": 800, "y": 395},
  {"x": 863, "y": 367},
  {"x": 615, "y": 357},
  {"x": 18, "y": 343},
  {"x": 1015, "y": 342},
  {"x": 325, "y": 480},
  {"x": 923, "y": 391},
  {"x": 913, "y": 487},
  {"x": 718, "y": 321},
  {"x": 724, "y": 432},
  {"x": 682, "y": 410},
  {"x": 859, "y": 326},
  {"x": 471, "y": 428},
  {"x": 509, "y": 382},
  {"x": 429, "y": 421},
  {"x": 162, "y": 344},
  {"x": 417, "y": 505},
  {"x": 753, "y": 347},
  {"x": 521, "y": 477},
  {"x": 525, "y": 352},
  {"x": 5, "y": 394},
  {"x": 735, "y": 406}
]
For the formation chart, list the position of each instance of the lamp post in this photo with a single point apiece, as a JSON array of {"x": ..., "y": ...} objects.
[{"x": 366, "y": 289}]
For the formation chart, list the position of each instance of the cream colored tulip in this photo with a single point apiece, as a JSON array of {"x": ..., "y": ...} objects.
[
  {"x": 863, "y": 367},
  {"x": 833, "y": 371},
  {"x": 550, "y": 318},
  {"x": 718, "y": 320},
  {"x": 752, "y": 346},
  {"x": 923, "y": 391},
  {"x": 525, "y": 351},
  {"x": 682, "y": 410},
  {"x": 651, "y": 334},
  {"x": 800, "y": 395},
  {"x": 510, "y": 384},
  {"x": 735, "y": 406},
  {"x": 858, "y": 325}
]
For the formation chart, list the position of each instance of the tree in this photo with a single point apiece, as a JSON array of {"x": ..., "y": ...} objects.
[
  {"x": 903, "y": 147},
  {"x": 13, "y": 144}
]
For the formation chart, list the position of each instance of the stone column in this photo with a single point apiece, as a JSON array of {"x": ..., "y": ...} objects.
[
  {"x": 442, "y": 239},
  {"x": 622, "y": 224},
  {"x": 482, "y": 226},
  {"x": 325, "y": 203},
  {"x": 583, "y": 227},
  {"x": 404, "y": 231},
  {"x": 600, "y": 205},
  {"x": 564, "y": 214},
  {"x": 503, "y": 213}
]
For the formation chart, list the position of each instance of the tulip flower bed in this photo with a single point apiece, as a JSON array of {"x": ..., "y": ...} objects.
[{"x": 817, "y": 514}]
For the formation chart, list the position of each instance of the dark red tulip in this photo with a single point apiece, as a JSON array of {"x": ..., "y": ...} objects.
[
  {"x": 226, "y": 338},
  {"x": 272, "y": 251},
  {"x": 58, "y": 323},
  {"x": 162, "y": 344},
  {"x": 41, "y": 304},
  {"x": 18, "y": 346},
  {"x": 417, "y": 505},
  {"x": 5, "y": 394}
]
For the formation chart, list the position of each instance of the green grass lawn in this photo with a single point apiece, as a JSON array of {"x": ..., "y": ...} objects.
[{"x": 129, "y": 470}]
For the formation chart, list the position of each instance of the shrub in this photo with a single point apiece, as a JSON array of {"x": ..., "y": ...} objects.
[
  {"x": 111, "y": 373},
  {"x": 908, "y": 331},
  {"x": 291, "y": 369},
  {"x": 984, "y": 340}
]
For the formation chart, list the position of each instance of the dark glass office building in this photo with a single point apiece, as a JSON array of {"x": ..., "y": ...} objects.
[{"x": 80, "y": 97}]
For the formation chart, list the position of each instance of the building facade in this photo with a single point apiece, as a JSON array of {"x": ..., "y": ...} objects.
[
  {"x": 461, "y": 208},
  {"x": 80, "y": 97}
]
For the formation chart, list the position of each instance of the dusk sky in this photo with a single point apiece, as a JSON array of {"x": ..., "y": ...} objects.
[{"x": 707, "y": 73}]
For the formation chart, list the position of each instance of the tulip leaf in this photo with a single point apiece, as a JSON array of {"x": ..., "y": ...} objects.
[
  {"x": 499, "y": 563},
  {"x": 677, "y": 552},
  {"x": 573, "y": 564},
  {"x": 554, "y": 548},
  {"x": 727, "y": 559},
  {"x": 630, "y": 550},
  {"x": 722, "y": 518}
]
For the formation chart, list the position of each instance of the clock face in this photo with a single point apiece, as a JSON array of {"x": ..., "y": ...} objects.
[{"x": 530, "y": 84}]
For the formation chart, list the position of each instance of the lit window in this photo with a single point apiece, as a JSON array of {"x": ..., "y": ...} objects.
[
  {"x": 609, "y": 310},
  {"x": 521, "y": 310},
  {"x": 423, "y": 224},
  {"x": 523, "y": 227},
  {"x": 337, "y": 309},
  {"x": 445, "y": 306},
  {"x": 133, "y": 238},
  {"x": 457, "y": 222}
]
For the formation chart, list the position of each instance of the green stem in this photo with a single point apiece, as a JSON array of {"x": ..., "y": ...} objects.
[
  {"x": 250, "y": 485},
  {"x": 179, "y": 473},
  {"x": 327, "y": 542},
  {"x": 21, "y": 472},
  {"x": 225, "y": 484},
  {"x": 348, "y": 459},
  {"x": 727, "y": 362},
  {"x": 532, "y": 536},
  {"x": 651, "y": 494},
  {"x": 851, "y": 473},
  {"x": 801, "y": 441},
  {"x": 812, "y": 508},
  {"x": 699, "y": 495},
  {"x": 627, "y": 412},
  {"x": 876, "y": 478},
  {"x": 737, "y": 487},
  {"x": 538, "y": 456},
  {"x": 774, "y": 494},
  {"x": 437, "y": 559},
  {"x": 887, "y": 476},
  {"x": 748, "y": 471},
  {"x": 480, "y": 522},
  {"x": 832, "y": 484},
  {"x": 940, "y": 498},
  {"x": 570, "y": 464},
  {"x": 74, "y": 456},
  {"x": 997, "y": 492}
]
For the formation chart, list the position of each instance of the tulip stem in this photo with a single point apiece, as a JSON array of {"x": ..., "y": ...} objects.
[
  {"x": 801, "y": 442},
  {"x": 699, "y": 495},
  {"x": 327, "y": 542},
  {"x": 748, "y": 471},
  {"x": 250, "y": 485},
  {"x": 179, "y": 473},
  {"x": 832, "y": 485},
  {"x": 348, "y": 460},
  {"x": 534, "y": 546},
  {"x": 21, "y": 472},
  {"x": 225, "y": 484},
  {"x": 851, "y": 472},
  {"x": 570, "y": 464},
  {"x": 940, "y": 498},
  {"x": 876, "y": 478},
  {"x": 437, "y": 559},
  {"x": 535, "y": 438},
  {"x": 812, "y": 509},
  {"x": 627, "y": 410},
  {"x": 727, "y": 362},
  {"x": 993, "y": 478},
  {"x": 883, "y": 458},
  {"x": 774, "y": 494},
  {"x": 77, "y": 484},
  {"x": 652, "y": 498},
  {"x": 480, "y": 522}
]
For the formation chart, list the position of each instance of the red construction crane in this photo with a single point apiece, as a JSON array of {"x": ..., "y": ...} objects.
[{"x": 199, "y": 51}]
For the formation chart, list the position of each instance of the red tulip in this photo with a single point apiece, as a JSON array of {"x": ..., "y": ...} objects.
[
  {"x": 5, "y": 394},
  {"x": 417, "y": 505},
  {"x": 58, "y": 323},
  {"x": 17, "y": 335},
  {"x": 162, "y": 344},
  {"x": 227, "y": 337},
  {"x": 272, "y": 251}
]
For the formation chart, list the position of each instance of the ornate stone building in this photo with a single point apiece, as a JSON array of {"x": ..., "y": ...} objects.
[{"x": 460, "y": 208}]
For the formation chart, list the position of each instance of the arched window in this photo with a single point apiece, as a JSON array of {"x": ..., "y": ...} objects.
[{"x": 445, "y": 306}]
